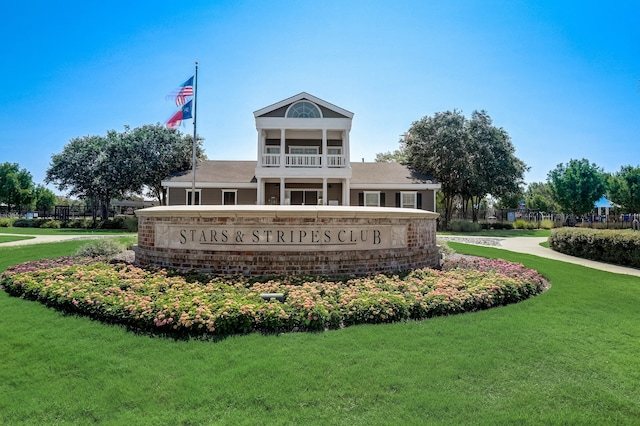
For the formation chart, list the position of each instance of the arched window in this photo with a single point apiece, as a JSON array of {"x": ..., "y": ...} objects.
[{"x": 304, "y": 109}]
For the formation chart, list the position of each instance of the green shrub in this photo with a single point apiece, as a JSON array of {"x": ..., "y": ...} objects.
[
  {"x": 496, "y": 225},
  {"x": 51, "y": 223},
  {"x": 104, "y": 247},
  {"x": 23, "y": 223},
  {"x": 6, "y": 222},
  {"x": 77, "y": 223},
  {"x": 464, "y": 226},
  {"x": 612, "y": 246},
  {"x": 131, "y": 223},
  {"x": 520, "y": 224},
  {"x": 546, "y": 224}
]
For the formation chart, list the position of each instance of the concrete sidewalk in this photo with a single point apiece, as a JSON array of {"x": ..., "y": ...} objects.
[
  {"x": 531, "y": 245},
  {"x": 39, "y": 239}
]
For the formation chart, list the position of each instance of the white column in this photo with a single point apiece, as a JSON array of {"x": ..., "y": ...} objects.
[
  {"x": 346, "y": 190},
  {"x": 346, "y": 148},
  {"x": 324, "y": 148},
  {"x": 260, "y": 192},
  {"x": 324, "y": 191},
  {"x": 283, "y": 138},
  {"x": 434, "y": 200},
  {"x": 260, "y": 146},
  {"x": 281, "y": 191}
]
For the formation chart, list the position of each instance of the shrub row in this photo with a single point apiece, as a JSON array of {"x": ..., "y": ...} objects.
[
  {"x": 612, "y": 246},
  {"x": 170, "y": 303},
  {"x": 497, "y": 225},
  {"x": 130, "y": 223}
]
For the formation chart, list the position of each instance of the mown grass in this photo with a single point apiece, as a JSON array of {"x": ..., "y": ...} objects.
[
  {"x": 10, "y": 238},
  {"x": 568, "y": 356},
  {"x": 62, "y": 231},
  {"x": 504, "y": 233}
]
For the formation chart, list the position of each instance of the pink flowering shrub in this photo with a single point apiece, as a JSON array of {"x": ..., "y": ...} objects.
[{"x": 167, "y": 302}]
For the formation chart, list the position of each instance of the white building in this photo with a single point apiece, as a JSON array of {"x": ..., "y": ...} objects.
[{"x": 303, "y": 158}]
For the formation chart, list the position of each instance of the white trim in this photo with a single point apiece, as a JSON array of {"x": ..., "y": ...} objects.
[
  {"x": 209, "y": 185},
  {"x": 299, "y": 97},
  {"x": 199, "y": 197},
  {"x": 415, "y": 199},
  {"x": 286, "y": 113},
  {"x": 396, "y": 186},
  {"x": 235, "y": 196},
  {"x": 364, "y": 198}
]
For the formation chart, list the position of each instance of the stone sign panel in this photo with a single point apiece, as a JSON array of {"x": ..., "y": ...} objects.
[{"x": 281, "y": 238}]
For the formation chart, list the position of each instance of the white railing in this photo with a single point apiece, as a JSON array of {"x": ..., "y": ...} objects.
[
  {"x": 303, "y": 160},
  {"x": 270, "y": 160},
  {"x": 335, "y": 161}
]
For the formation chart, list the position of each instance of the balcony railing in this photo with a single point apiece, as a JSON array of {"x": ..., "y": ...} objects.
[{"x": 302, "y": 160}]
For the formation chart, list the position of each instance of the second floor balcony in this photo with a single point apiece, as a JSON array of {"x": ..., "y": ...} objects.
[{"x": 302, "y": 160}]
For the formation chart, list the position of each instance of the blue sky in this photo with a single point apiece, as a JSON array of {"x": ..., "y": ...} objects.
[{"x": 561, "y": 77}]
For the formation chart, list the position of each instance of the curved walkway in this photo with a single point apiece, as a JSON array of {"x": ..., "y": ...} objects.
[
  {"x": 38, "y": 239},
  {"x": 531, "y": 245}
]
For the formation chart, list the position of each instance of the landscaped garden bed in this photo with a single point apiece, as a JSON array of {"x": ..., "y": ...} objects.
[{"x": 169, "y": 303}]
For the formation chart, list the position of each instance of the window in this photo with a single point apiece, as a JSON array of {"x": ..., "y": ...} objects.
[
  {"x": 198, "y": 197},
  {"x": 229, "y": 197},
  {"x": 303, "y": 150},
  {"x": 304, "y": 109},
  {"x": 272, "y": 149},
  {"x": 372, "y": 199},
  {"x": 408, "y": 200},
  {"x": 334, "y": 150}
]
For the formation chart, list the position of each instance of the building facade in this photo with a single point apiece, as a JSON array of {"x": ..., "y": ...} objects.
[{"x": 303, "y": 158}]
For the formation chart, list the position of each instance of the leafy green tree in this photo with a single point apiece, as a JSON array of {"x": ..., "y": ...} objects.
[
  {"x": 120, "y": 164},
  {"x": 397, "y": 156},
  {"x": 16, "y": 186},
  {"x": 155, "y": 152},
  {"x": 539, "y": 197},
  {"x": 495, "y": 168},
  {"x": 86, "y": 168},
  {"x": 470, "y": 158},
  {"x": 439, "y": 146},
  {"x": 623, "y": 188},
  {"x": 576, "y": 186},
  {"x": 44, "y": 199}
]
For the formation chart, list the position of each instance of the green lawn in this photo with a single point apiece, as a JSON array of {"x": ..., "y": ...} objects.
[
  {"x": 10, "y": 238},
  {"x": 568, "y": 356},
  {"x": 504, "y": 233},
  {"x": 61, "y": 231}
]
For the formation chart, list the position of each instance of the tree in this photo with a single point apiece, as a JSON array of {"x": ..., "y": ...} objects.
[
  {"x": 397, "y": 156},
  {"x": 44, "y": 199},
  {"x": 576, "y": 186},
  {"x": 83, "y": 168},
  {"x": 158, "y": 152},
  {"x": 439, "y": 146},
  {"x": 495, "y": 168},
  {"x": 539, "y": 197},
  {"x": 623, "y": 188},
  {"x": 470, "y": 158},
  {"x": 16, "y": 186},
  {"x": 117, "y": 165}
]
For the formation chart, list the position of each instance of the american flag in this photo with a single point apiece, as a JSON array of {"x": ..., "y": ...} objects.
[{"x": 183, "y": 92}]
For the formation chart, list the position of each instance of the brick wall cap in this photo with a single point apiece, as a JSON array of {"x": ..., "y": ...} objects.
[{"x": 268, "y": 211}]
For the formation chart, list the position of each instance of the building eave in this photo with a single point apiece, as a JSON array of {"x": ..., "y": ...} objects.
[{"x": 298, "y": 97}]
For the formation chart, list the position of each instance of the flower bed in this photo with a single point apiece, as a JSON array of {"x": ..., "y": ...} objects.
[{"x": 166, "y": 302}]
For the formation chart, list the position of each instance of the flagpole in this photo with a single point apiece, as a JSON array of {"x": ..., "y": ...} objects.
[{"x": 193, "y": 158}]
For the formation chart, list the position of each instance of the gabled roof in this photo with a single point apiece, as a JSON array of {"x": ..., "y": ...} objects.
[
  {"x": 218, "y": 171},
  {"x": 386, "y": 173},
  {"x": 299, "y": 97},
  {"x": 242, "y": 173}
]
